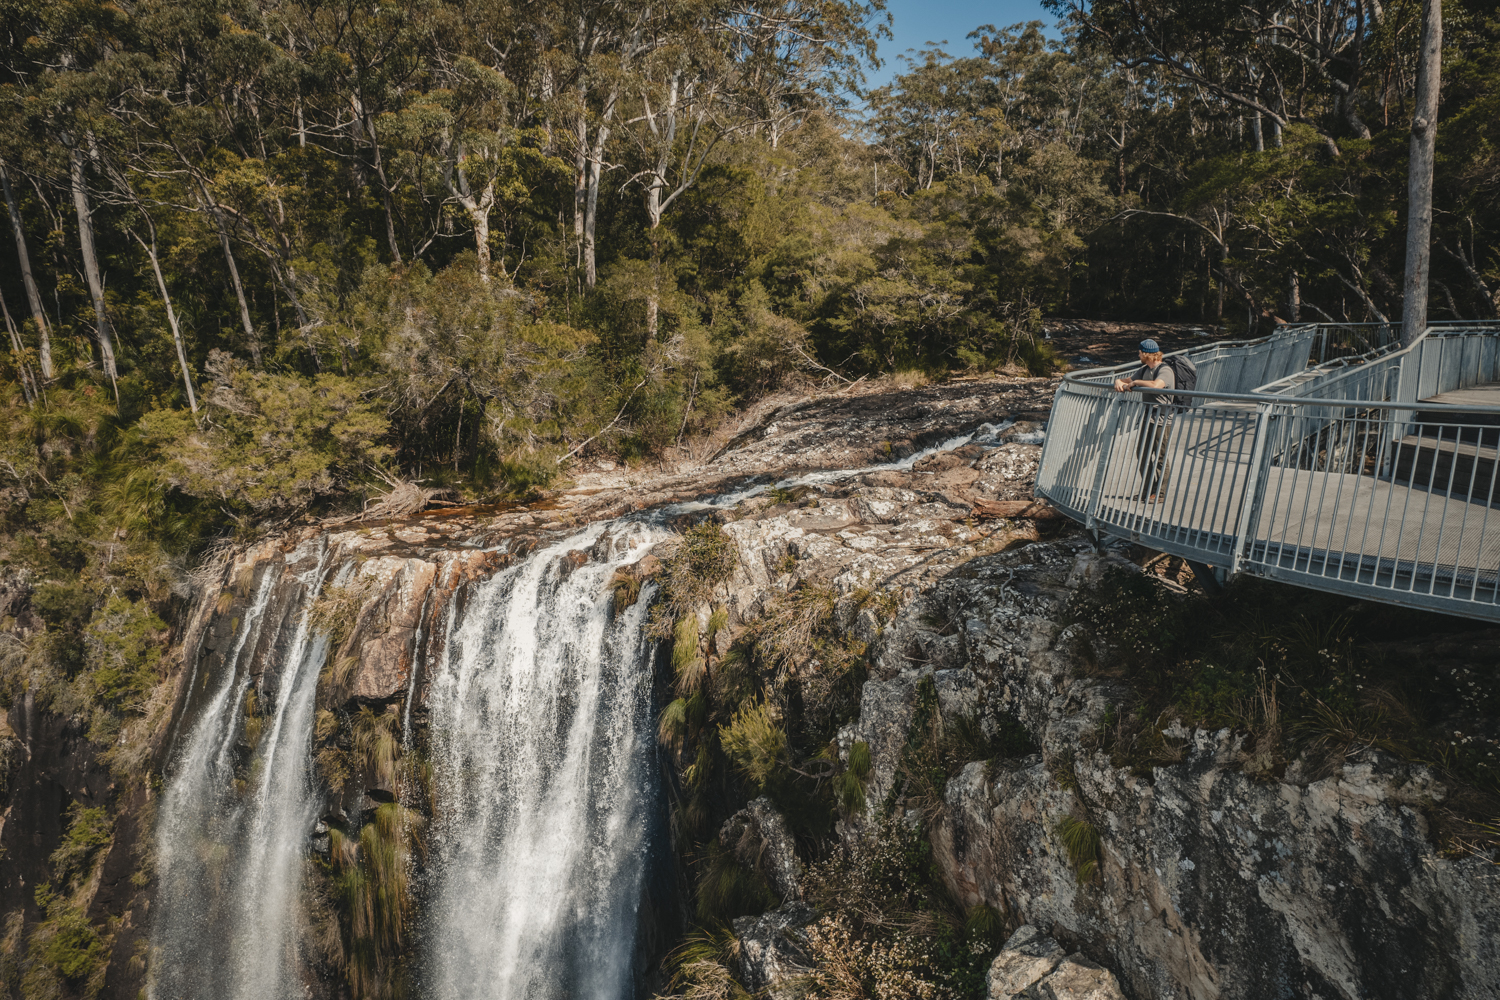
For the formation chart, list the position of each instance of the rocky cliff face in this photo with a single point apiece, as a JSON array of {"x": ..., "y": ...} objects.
[
  {"x": 1204, "y": 881},
  {"x": 1209, "y": 882}
]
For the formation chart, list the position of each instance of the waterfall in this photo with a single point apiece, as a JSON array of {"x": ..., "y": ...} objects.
[
  {"x": 543, "y": 764},
  {"x": 542, "y": 754},
  {"x": 230, "y": 843}
]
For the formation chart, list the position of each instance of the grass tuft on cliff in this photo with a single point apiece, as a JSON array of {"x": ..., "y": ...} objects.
[{"x": 1309, "y": 679}]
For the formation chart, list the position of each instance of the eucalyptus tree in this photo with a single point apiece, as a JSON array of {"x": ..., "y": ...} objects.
[
  {"x": 1273, "y": 61},
  {"x": 56, "y": 100},
  {"x": 28, "y": 277},
  {"x": 1424, "y": 124}
]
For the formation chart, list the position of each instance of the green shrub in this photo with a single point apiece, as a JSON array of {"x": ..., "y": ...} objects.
[
  {"x": 271, "y": 441},
  {"x": 727, "y": 889},
  {"x": 126, "y": 640},
  {"x": 756, "y": 743}
]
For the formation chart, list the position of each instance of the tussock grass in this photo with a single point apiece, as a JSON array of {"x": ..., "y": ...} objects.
[{"x": 1081, "y": 842}]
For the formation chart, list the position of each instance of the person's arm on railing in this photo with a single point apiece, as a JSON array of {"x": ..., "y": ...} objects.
[{"x": 1127, "y": 384}]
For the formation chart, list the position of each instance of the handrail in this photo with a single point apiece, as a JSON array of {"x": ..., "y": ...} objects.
[
  {"x": 1372, "y": 492},
  {"x": 1345, "y": 369}
]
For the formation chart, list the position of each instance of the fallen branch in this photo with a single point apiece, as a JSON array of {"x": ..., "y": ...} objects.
[
  {"x": 816, "y": 364},
  {"x": 1031, "y": 510},
  {"x": 607, "y": 426}
]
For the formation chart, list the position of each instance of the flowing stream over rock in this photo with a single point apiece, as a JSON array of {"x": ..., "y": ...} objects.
[
  {"x": 230, "y": 860},
  {"x": 543, "y": 763},
  {"x": 543, "y": 767}
]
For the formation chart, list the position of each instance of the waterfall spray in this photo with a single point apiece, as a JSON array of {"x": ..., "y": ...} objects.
[
  {"x": 230, "y": 848},
  {"x": 543, "y": 758}
]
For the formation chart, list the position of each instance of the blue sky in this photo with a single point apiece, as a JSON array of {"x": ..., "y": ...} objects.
[{"x": 918, "y": 22}]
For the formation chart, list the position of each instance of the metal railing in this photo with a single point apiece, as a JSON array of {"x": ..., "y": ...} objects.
[
  {"x": 1239, "y": 365},
  {"x": 1445, "y": 358},
  {"x": 1347, "y": 482}
]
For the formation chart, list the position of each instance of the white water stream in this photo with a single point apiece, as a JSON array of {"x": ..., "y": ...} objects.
[
  {"x": 230, "y": 848},
  {"x": 543, "y": 758},
  {"x": 985, "y": 434}
]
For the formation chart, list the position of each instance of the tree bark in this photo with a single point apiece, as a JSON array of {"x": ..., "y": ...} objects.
[
  {"x": 1419, "y": 174},
  {"x": 1293, "y": 298},
  {"x": 91, "y": 268},
  {"x": 28, "y": 385},
  {"x": 666, "y": 136},
  {"x": 33, "y": 294},
  {"x": 591, "y": 199},
  {"x": 481, "y": 218},
  {"x": 166, "y": 299},
  {"x": 251, "y": 340},
  {"x": 580, "y": 183},
  {"x": 479, "y": 213}
]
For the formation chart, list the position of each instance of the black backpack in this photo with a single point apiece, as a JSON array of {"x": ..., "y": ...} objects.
[{"x": 1186, "y": 374}]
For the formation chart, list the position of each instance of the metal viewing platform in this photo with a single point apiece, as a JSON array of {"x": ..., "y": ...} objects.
[{"x": 1326, "y": 456}]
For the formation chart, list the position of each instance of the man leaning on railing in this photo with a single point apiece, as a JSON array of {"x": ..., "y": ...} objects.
[{"x": 1151, "y": 444}]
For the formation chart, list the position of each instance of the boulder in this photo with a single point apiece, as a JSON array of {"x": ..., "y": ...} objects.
[
  {"x": 760, "y": 839},
  {"x": 1033, "y": 966},
  {"x": 772, "y": 955},
  {"x": 1025, "y": 960},
  {"x": 1076, "y": 978}
]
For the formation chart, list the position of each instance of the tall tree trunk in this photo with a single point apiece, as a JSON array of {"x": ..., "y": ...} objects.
[
  {"x": 653, "y": 236},
  {"x": 666, "y": 136},
  {"x": 591, "y": 200},
  {"x": 481, "y": 219},
  {"x": 1293, "y": 299},
  {"x": 91, "y": 269},
  {"x": 479, "y": 213},
  {"x": 580, "y": 185},
  {"x": 385, "y": 188},
  {"x": 28, "y": 384},
  {"x": 1419, "y": 174},
  {"x": 251, "y": 340},
  {"x": 161, "y": 284},
  {"x": 1223, "y": 264},
  {"x": 33, "y": 294},
  {"x": 653, "y": 296}
]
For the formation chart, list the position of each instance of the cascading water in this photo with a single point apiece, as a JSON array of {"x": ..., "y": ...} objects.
[
  {"x": 543, "y": 763},
  {"x": 543, "y": 758},
  {"x": 230, "y": 846}
]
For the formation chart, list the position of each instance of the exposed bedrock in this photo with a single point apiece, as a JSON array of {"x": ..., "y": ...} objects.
[{"x": 1209, "y": 883}]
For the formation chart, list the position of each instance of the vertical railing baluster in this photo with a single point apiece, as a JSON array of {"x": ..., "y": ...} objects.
[{"x": 1245, "y": 524}]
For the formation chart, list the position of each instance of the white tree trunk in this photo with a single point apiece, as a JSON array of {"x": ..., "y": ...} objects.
[
  {"x": 478, "y": 207},
  {"x": 91, "y": 269},
  {"x": 33, "y": 294},
  {"x": 580, "y": 182},
  {"x": 591, "y": 199},
  {"x": 1419, "y": 174},
  {"x": 28, "y": 385},
  {"x": 161, "y": 284},
  {"x": 481, "y": 219}
]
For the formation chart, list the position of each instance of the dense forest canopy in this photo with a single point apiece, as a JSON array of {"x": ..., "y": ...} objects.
[{"x": 266, "y": 257}]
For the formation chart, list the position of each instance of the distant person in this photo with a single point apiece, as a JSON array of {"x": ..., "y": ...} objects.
[{"x": 1151, "y": 445}]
